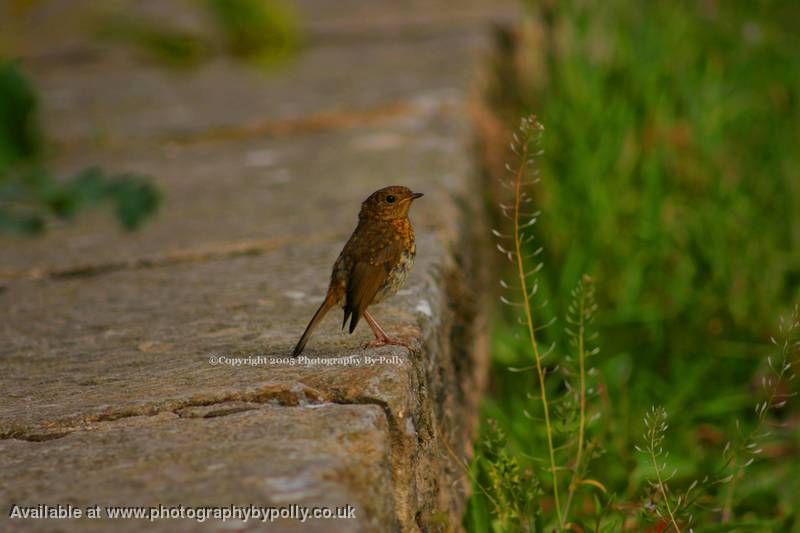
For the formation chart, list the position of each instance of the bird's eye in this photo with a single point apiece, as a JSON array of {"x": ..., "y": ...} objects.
[{"x": 390, "y": 199}]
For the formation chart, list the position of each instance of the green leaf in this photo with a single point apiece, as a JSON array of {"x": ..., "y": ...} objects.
[{"x": 20, "y": 138}]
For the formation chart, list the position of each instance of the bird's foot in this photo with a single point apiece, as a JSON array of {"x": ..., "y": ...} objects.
[{"x": 387, "y": 340}]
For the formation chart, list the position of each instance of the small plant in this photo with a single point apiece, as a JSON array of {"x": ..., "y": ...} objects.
[
  {"x": 515, "y": 489},
  {"x": 566, "y": 414},
  {"x": 29, "y": 195},
  {"x": 525, "y": 284},
  {"x": 776, "y": 392},
  {"x": 655, "y": 423},
  {"x": 738, "y": 455},
  {"x": 579, "y": 389}
]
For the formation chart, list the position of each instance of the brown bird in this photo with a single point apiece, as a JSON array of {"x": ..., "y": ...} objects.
[{"x": 373, "y": 264}]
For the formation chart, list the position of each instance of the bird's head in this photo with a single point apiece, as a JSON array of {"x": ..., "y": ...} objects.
[{"x": 388, "y": 203}]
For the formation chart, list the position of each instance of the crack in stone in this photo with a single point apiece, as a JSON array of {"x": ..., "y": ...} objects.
[
  {"x": 225, "y": 251},
  {"x": 277, "y": 128},
  {"x": 274, "y": 128},
  {"x": 294, "y": 395},
  {"x": 211, "y": 253},
  {"x": 283, "y": 395},
  {"x": 182, "y": 413}
]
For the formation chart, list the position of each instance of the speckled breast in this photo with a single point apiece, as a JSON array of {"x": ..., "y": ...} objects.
[{"x": 397, "y": 276}]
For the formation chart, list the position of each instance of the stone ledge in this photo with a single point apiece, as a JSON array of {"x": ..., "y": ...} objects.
[
  {"x": 325, "y": 455},
  {"x": 107, "y": 337}
]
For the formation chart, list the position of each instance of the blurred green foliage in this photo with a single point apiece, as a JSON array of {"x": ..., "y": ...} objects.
[
  {"x": 263, "y": 32},
  {"x": 20, "y": 139},
  {"x": 29, "y": 194},
  {"x": 512, "y": 489},
  {"x": 671, "y": 174},
  {"x": 159, "y": 41}
]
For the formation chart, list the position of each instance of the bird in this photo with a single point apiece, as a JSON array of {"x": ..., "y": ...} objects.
[{"x": 373, "y": 264}]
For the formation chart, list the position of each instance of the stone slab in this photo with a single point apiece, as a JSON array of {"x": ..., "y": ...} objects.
[{"x": 326, "y": 455}]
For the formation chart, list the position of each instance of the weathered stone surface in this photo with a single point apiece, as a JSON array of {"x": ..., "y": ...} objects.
[
  {"x": 267, "y": 192},
  {"x": 324, "y": 455},
  {"x": 130, "y": 362}
]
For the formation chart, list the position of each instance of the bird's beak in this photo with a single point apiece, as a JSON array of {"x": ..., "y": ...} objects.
[{"x": 417, "y": 195}]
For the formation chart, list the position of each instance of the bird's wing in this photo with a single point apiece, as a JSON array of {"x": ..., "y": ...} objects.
[{"x": 366, "y": 277}]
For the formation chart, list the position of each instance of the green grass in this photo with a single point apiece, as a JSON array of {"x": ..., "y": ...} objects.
[{"x": 671, "y": 174}]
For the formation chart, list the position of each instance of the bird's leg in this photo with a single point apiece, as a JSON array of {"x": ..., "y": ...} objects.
[{"x": 381, "y": 337}]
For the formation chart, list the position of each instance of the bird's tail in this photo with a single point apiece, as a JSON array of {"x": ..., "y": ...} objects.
[{"x": 330, "y": 301}]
